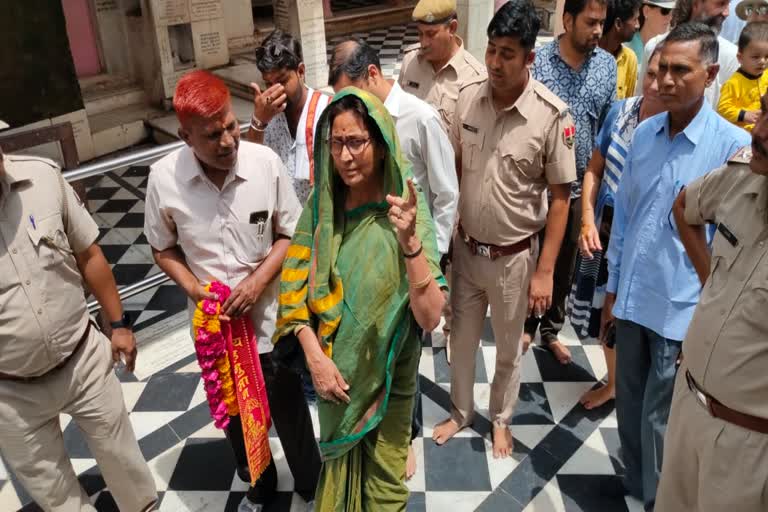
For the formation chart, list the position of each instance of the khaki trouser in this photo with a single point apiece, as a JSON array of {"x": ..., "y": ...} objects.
[
  {"x": 710, "y": 465},
  {"x": 32, "y": 443},
  {"x": 477, "y": 282}
]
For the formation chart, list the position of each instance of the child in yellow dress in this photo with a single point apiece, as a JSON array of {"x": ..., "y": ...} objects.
[{"x": 740, "y": 95}]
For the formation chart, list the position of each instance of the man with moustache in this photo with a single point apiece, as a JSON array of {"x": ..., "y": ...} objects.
[
  {"x": 652, "y": 289},
  {"x": 437, "y": 66},
  {"x": 584, "y": 77},
  {"x": 712, "y": 13},
  {"x": 514, "y": 143},
  {"x": 717, "y": 439},
  {"x": 221, "y": 210},
  {"x": 285, "y": 115}
]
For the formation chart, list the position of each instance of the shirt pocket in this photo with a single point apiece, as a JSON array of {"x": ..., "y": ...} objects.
[
  {"x": 250, "y": 242},
  {"x": 49, "y": 241},
  {"x": 471, "y": 148},
  {"x": 447, "y": 108},
  {"x": 521, "y": 165},
  {"x": 724, "y": 255}
]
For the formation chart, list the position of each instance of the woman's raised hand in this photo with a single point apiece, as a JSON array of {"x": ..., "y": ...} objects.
[{"x": 402, "y": 215}]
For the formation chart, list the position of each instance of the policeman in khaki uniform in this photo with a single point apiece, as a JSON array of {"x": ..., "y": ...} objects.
[
  {"x": 514, "y": 141},
  {"x": 53, "y": 359},
  {"x": 716, "y": 449},
  {"x": 435, "y": 68}
]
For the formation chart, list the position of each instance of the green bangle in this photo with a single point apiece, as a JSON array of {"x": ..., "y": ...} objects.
[{"x": 415, "y": 253}]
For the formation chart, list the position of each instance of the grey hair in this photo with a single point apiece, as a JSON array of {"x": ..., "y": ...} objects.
[{"x": 696, "y": 31}]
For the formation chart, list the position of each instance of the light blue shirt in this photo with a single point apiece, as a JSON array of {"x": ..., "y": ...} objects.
[
  {"x": 655, "y": 283},
  {"x": 733, "y": 25}
]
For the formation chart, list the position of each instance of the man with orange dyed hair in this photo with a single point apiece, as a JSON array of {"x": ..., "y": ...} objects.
[{"x": 222, "y": 209}]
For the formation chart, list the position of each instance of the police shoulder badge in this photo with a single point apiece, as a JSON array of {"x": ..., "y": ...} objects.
[
  {"x": 569, "y": 135},
  {"x": 742, "y": 156}
]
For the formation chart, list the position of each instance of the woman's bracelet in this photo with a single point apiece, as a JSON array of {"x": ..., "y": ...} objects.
[
  {"x": 415, "y": 253},
  {"x": 423, "y": 283}
]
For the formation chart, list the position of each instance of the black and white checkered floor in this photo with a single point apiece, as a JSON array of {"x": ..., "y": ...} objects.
[{"x": 565, "y": 459}]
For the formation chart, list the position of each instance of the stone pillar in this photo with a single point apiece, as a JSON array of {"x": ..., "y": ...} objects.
[
  {"x": 559, "y": 6},
  {"x": 304, "y": 19},
  {"x": 474, "y": 16}
]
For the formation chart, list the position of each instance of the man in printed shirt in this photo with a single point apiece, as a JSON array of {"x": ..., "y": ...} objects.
[
  {"x": 650, "y": 280},
  {"x": 285, "y": 115},
  {"x": 223, "y": 210},
  {"x": 584, "y": 77}
]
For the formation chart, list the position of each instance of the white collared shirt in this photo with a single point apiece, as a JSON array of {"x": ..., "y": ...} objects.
[
  {"x": 224, "y": 234},
  {"x": 426, "y": 145},
  {"x": 293, "y": 152}
]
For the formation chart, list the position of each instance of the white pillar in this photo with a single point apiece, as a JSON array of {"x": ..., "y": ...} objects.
[
  {"x": 474, "y": 16},
  {"x": 304, "y": 19}
]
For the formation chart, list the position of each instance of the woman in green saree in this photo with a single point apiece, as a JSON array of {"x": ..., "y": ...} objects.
[{"x": 360, "y": 276}]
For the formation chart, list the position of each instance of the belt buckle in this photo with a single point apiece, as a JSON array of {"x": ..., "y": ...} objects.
[
  {"x": 700, "y": 397},
  {"x": 484, "y": 251}
]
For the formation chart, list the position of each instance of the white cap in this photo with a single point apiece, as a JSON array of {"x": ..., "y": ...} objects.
[{"x": 663, "y": 5}]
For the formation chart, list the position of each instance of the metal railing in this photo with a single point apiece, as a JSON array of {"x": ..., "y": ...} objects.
[{"x": 139, "y": 157}]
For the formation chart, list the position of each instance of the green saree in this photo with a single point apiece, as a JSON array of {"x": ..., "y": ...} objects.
[{"x": 344, "y": 276}]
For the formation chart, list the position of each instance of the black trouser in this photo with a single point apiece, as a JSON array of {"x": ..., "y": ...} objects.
[
  {"x": 552, "y": 322},
  {"x": 290, "y": 415}
]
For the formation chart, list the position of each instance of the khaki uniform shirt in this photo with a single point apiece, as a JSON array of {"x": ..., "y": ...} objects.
[
  {"x": 726, "y": 348},
  {"x": 508, "y": 158},
  {"x": 224, "y": 234},
  {"x": 43, "y": 312},
  {"x": 439, "y": 88}
]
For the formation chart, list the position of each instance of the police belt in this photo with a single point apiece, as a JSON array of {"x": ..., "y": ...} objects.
[
  {"x": 17, "y": 378},
  {"x": 491, "y": 251},
  {"x": 718, "y": 410}
]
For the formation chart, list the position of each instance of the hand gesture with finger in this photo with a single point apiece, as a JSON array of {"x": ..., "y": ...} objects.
[
  {"x": 267, "y": 104},
  {"x": 402, "y": 216}
]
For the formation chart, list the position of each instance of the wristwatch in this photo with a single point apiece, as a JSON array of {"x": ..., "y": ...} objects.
[{"x": 123, "y": 323}]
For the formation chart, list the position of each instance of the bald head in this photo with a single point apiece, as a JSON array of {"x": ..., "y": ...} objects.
[{"x": 353, "y": 62}]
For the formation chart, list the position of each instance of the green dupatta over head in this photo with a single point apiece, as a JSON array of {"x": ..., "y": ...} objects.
[{"x": 364, "y": 322}]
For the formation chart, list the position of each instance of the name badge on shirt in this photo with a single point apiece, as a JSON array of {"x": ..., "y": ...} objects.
[
  {"x": 470, "y": 129},
  {"x": 723, "y": 229}
]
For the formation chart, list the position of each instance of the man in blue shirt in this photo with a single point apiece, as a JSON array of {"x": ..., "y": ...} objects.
[
  {"x": 584, "y": 77},
  {"x": 652, "y": 287}
]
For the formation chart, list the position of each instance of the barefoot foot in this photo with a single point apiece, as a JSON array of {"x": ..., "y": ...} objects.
[
  {"x": 445, "y": 431},
  {"x": 502, "y": 442},
  {"x": 410, "y": 463},
  {"x": 560, "y": 351},
  {"x": 526, "y": 340},
  {"x": 597, "y": 397}
]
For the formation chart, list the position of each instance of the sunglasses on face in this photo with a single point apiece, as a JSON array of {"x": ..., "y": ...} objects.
[{"x": 760, "y": 10}]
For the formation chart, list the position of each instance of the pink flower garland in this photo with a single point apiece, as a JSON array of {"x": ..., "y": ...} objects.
[{"x": 211, "y": 349}]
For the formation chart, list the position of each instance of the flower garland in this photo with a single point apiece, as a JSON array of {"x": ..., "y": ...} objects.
[{"x": 211, "y": 350}]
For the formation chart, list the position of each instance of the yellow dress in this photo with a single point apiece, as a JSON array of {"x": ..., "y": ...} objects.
[{"x": 741, "y": 94}]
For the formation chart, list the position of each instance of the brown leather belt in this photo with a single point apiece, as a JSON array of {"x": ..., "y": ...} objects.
[
  {"x": 491, "y": 251},
  {"x": 718, "y": 410},
  {"x": 17, "y": 378}
]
